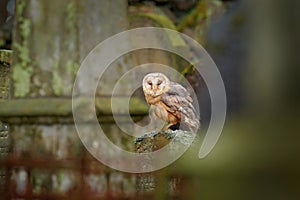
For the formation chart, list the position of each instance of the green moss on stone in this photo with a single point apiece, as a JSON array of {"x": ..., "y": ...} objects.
[
  {"x": 57, "y": 80},
  {"x": 164, "y": 22},
  {"x": 70, "y": 19},
  {"x": 22, "y": 69},
  {"x": 72, "y": 67}
]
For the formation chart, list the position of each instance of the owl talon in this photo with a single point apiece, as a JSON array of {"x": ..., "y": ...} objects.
[
  {"x": 166, "y": 127},
  {"x": 171, "y": 127}
]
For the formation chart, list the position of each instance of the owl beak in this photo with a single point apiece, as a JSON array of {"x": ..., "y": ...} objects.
[{"x": 154, "y": 92}]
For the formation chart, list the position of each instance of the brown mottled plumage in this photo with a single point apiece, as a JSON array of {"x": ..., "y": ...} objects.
[{"x": 171, "y": 101}]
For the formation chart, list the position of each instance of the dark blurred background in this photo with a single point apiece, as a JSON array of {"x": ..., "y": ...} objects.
[{"x": 255, "y": 45}]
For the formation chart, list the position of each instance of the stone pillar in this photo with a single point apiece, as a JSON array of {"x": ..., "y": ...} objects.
[{"x": 5, "y": 62}]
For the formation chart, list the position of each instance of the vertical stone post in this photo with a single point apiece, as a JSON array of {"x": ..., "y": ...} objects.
[{"x": 5, "y": 63}]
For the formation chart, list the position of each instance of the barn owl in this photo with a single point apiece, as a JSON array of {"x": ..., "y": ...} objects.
[{"x": 171, "y": 102}]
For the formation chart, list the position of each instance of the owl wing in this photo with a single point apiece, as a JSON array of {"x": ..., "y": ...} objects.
[
  {"x": 179, "y": 90},
  {"x": 179, "y": 102}
]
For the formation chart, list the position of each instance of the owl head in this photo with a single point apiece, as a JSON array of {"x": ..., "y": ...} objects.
[{"x": 155, "y": 84}]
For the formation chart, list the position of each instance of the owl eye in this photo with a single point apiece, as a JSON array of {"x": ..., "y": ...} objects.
[
  {"x": 150, "y": 83},
  {"x": 159, "y": 82}
]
